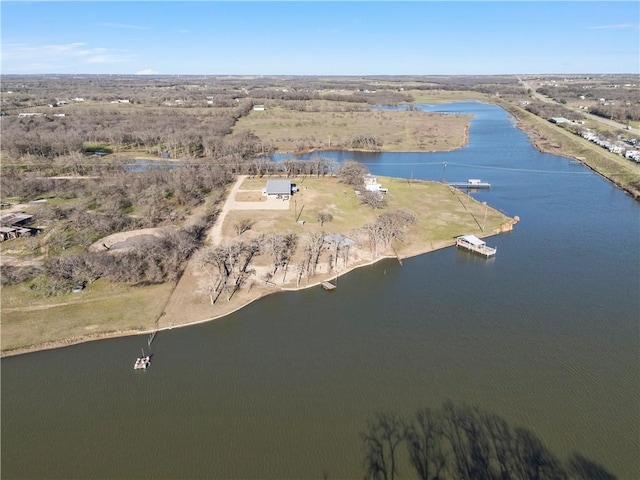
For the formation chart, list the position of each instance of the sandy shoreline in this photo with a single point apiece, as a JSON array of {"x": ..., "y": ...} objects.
[{"x": 116, "y": 334}]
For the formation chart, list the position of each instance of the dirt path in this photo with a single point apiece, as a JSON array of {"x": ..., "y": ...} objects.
[{"x": 215, "y": 235}]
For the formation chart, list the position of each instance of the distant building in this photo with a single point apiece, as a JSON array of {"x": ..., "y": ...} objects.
[
  {"x": 12, "y": 226},
  {"x": 14, "y": 219},
  {"x": 258, "y": 107}
]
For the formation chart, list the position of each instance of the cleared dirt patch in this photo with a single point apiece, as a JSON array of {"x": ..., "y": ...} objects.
[
  {"x": 123, "y": 240},
  {"x": 250, "y": 196}
]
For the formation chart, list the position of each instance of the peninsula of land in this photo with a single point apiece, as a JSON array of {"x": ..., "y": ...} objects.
[{"x": 104, "y": 310}]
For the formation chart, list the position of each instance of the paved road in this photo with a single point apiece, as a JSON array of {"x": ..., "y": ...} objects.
[{"x": 596, "y": 118}]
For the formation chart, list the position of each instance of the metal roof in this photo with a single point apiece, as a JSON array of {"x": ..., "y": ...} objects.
[
  {"x": 472, "y": 239},
  {"x": 278, "y": 187}
]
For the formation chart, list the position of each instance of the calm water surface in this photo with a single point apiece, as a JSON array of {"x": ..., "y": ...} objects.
[{"x": 545, "y": 334}]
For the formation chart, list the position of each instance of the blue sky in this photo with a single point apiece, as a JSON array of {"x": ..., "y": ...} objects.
[{"x": 320, "y": 38}]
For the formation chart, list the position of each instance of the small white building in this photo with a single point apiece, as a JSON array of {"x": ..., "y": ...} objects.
[
  {"x": 371, "y": 184},
  {"x": 258, "y": 107}
]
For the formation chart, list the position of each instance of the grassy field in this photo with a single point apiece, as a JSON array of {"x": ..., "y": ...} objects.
[
  {"x": 442, "y": 213},
  {"x": 109, "y": 309},
  {"x": 398, "y": 131},
  {"x": 101, "y": 308},
  {"x": 444, "y": 96}
]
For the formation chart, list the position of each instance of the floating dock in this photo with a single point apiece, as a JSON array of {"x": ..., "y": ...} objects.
[
  {"x": 471, "y": 183},
  {"x": 328, "y": 286},
  {"x": 474, "y": 244},
  {"x": 142, "y": 362}
]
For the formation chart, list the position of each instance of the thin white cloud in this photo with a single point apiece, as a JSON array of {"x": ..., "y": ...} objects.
[
  {"x": 123, "y": 25},
  {"x": 18, "y": 57},
  {"x": 613, "y": 27},
  {"x": 148, "y": 71},
  {"x": 23, "y": 51}
]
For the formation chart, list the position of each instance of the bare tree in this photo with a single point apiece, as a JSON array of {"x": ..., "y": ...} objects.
[
  {"x": 243, "y": 226},
  {"x": 323, "y": 217},
  {"x": 280, "y": 248},
  {"x": 365, "y": 142},
  {"x": 312, "y": 250},
  {"x": 375, "y": 200},
  {"x": 353, "y": 173}
]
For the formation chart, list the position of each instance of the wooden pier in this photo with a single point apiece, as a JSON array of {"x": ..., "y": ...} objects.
[
  {"x": 469, "y": 184},
  {"x": 474, "y": 244}
]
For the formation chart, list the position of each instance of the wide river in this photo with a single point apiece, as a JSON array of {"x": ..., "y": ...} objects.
[{"x": 546, "y": 334}]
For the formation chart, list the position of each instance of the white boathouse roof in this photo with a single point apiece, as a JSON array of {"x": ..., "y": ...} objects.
[{"x": 472, "y": 239}]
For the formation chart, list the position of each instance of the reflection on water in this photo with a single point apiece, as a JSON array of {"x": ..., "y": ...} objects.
[{"x": 544, "y": 334}]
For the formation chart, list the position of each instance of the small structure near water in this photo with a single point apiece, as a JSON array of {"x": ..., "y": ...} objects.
[
  {"x": 474, "y": 244},
  {"x": 328, "y": 286},
  {"x": 142, "y": 362},
  {"x": 471, "y": 183}
]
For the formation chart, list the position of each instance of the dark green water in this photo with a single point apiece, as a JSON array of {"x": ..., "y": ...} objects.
[{"x": 546, "y": 334}]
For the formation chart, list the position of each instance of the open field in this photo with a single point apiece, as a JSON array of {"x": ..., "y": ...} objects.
[
  {"x": 444, "y": 96},
  {"x": 101, "y": 309},
  {"x": 398, "y": 131},
  {"x": 104, "y": 309}
]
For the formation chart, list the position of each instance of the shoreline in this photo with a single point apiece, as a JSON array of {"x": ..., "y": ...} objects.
[
  {"x": 260, "y": 294},
  {"x": 130, "y": 333}
]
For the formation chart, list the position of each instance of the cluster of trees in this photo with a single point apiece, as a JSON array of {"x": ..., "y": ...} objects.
[
  {"x": 461, "y": 442},
  {"x": 620, "y": 113},
  {"x": 193, "y": 91},
  {"x": 620, "y": 98},
  {"x": 229, "y": 266},
  {"x": 149, "y": 260},
  {"x": 388, "y": 226},
  {"x": 155, "y": 130},
  {"x": 114, "y": 201},
  {"x": 547, "y": 110},
  {"x": 365, "y": 142},
  {"x": 353, "y": 173}
]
